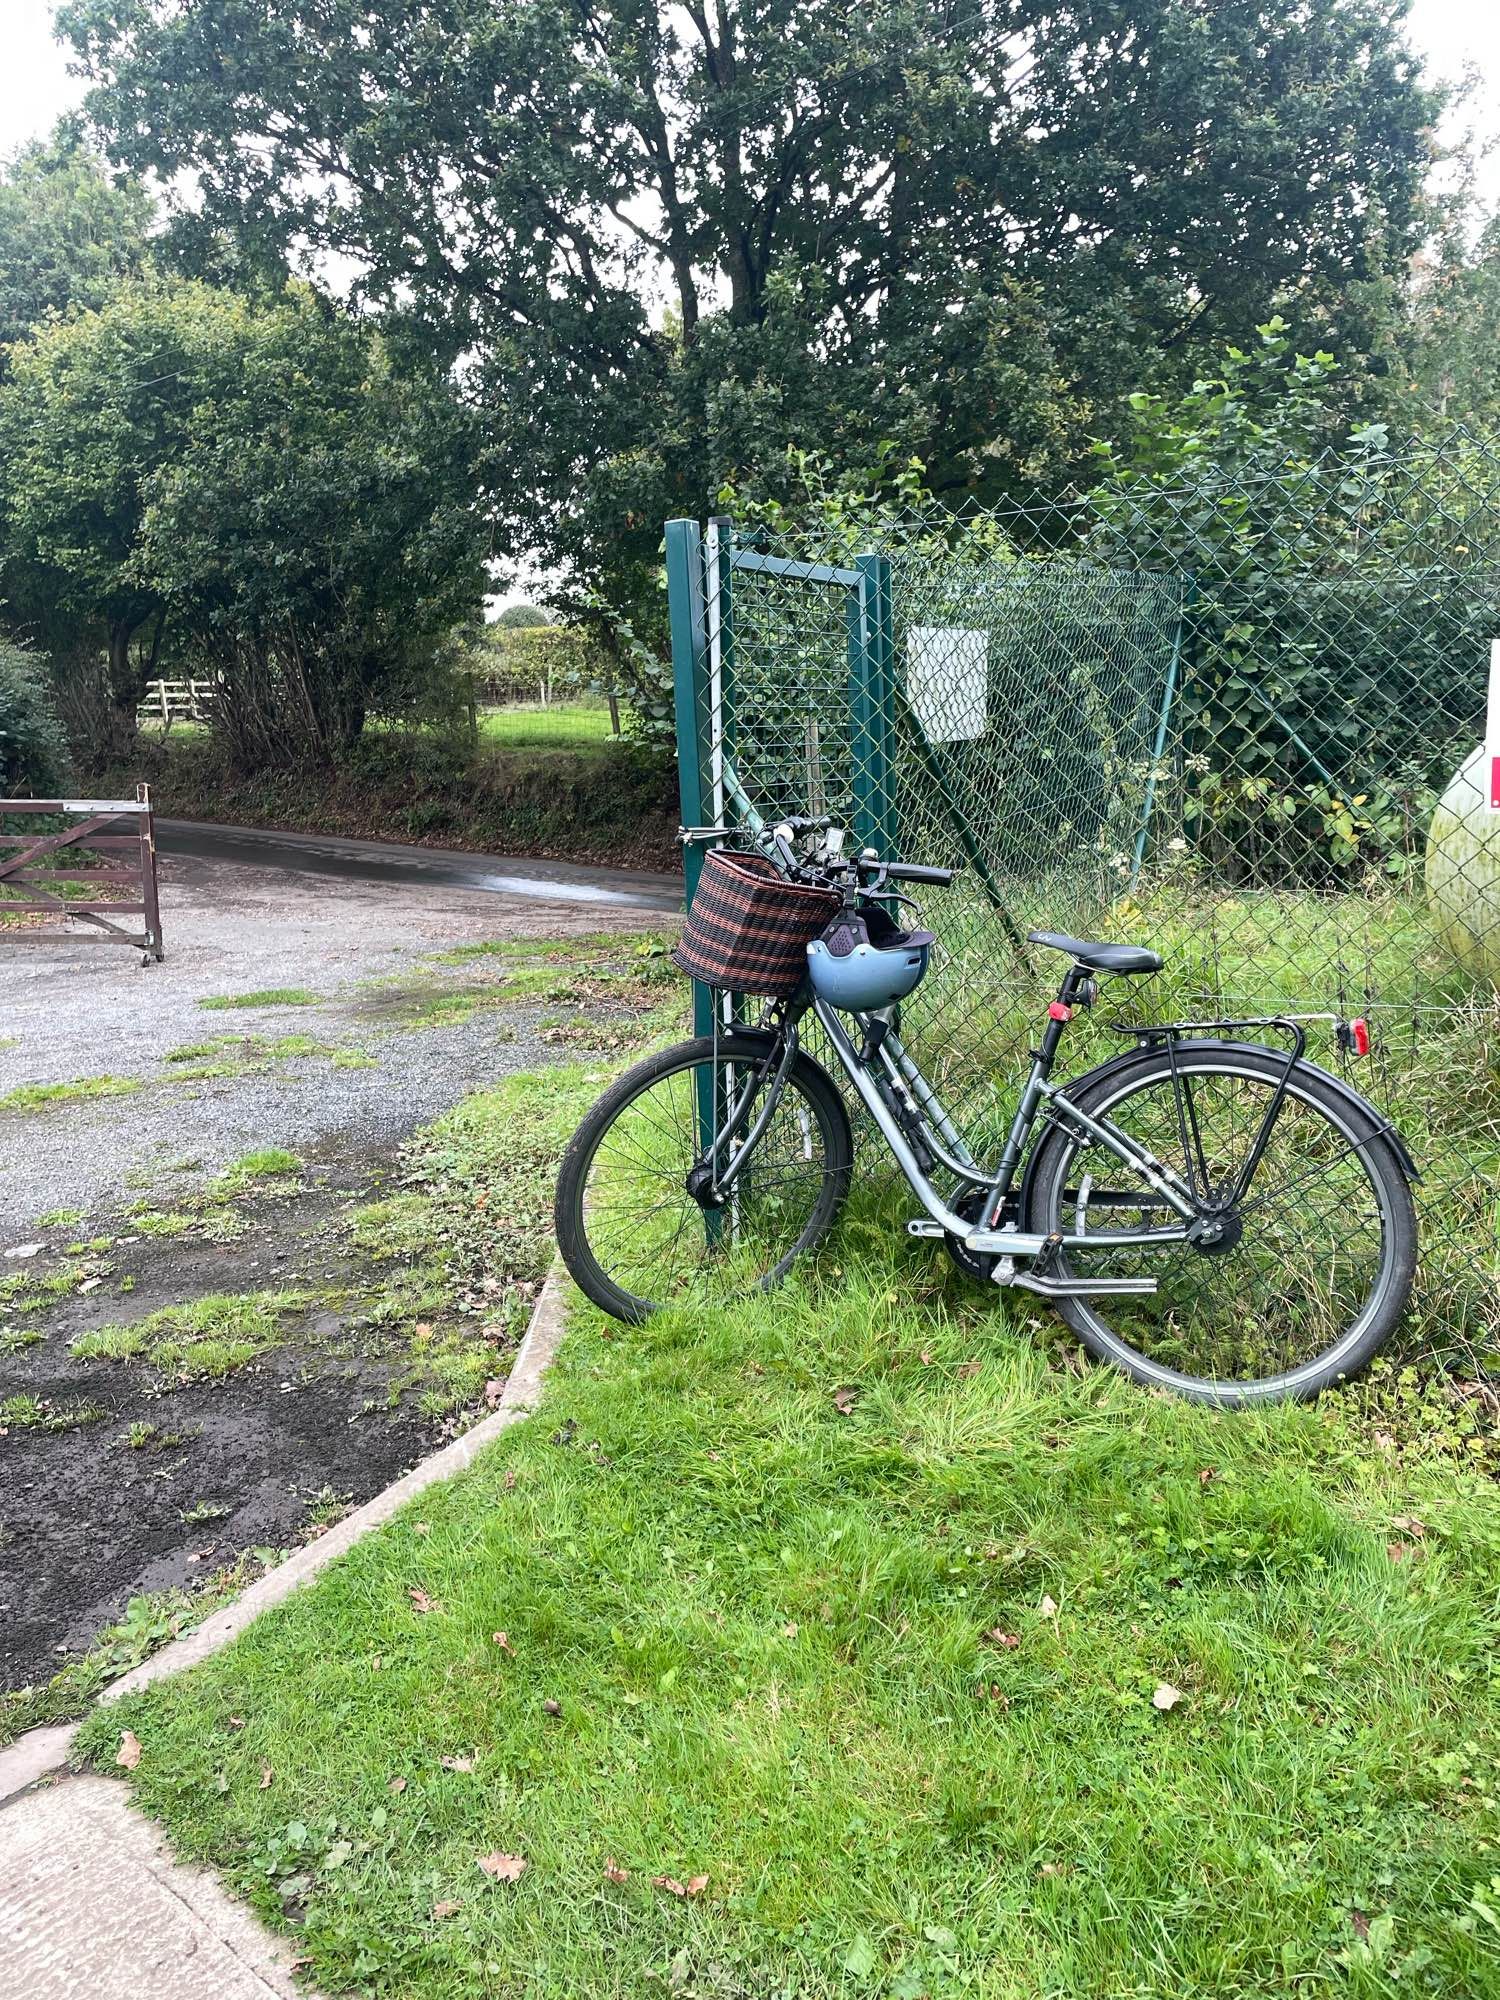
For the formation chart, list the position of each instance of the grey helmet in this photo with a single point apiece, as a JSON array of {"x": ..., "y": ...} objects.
[{"x": 863, "y": 961}]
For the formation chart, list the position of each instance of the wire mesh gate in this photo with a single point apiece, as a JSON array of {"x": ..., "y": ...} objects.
[{"x": 1066, "y": 713}]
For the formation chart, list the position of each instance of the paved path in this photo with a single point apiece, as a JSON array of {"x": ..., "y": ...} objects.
[{"x": 93, "y": 1907}]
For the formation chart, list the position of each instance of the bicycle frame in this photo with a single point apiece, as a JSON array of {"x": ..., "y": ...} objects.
[{"x": 898, "y": 1077}]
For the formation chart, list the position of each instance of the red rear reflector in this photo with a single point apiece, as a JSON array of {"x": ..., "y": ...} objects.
[
  {"x": 1359, "y": 1034},
  {"x": 1495, "y": 781},
  {"x": 1058, "y": 1012}
]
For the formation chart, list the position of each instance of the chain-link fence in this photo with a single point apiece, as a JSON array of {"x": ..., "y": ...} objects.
[{"x": 1237, "y": 721}]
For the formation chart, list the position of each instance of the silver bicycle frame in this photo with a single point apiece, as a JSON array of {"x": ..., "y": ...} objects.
[{"x": 954, "y": 1154}]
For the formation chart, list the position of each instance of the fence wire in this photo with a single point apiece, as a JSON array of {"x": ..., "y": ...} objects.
[{"x": 1238, "y": 723}]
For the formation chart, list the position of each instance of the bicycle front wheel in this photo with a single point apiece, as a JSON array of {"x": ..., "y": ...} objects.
[
  {"x": 1312, "y": 1266},
  {"x": 632, "y": 1234}
]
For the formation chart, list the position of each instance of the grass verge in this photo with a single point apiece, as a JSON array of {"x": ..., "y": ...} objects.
[{"x": 862, "y": 1641}]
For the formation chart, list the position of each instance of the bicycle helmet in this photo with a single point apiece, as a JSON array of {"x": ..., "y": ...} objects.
[{"x": 863, "y": 961}]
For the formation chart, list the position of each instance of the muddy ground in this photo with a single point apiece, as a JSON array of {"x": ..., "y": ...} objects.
[{"x": 119, "y": 1477}]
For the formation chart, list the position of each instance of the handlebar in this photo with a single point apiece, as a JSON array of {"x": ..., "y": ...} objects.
[{"x": 915, "y": 871}]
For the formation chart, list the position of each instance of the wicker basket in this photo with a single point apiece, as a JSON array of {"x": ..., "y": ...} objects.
[{"x": 749, "y": 928}]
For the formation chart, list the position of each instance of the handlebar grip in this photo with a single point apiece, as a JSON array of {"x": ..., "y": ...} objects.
[{"x": 914, "y": 871}]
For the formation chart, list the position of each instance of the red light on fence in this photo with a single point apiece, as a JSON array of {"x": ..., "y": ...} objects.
[{"x": 1359, "y": 1035}]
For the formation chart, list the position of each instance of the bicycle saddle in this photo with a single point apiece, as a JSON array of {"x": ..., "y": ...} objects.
[{"x": 1099, "y": 957}]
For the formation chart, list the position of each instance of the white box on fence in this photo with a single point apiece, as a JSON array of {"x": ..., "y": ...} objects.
[{"x": 947, "y": 681}]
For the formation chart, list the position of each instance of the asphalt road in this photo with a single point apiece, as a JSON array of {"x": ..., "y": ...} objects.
[{"x": 379, "y": 861}]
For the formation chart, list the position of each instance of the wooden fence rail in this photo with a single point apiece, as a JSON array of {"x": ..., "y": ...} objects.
[{"x": 167, "y": 702}]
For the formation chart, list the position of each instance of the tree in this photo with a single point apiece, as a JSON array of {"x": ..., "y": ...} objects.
[
  {"x": 670, "y": 240},
  {"x": 1456, "y": 331},
  {"x": 255, "y": 487},
  {"x": 521, "y": 617},
  {"x": 33, "y": 753},
  {"x": 68, "y": 234}
]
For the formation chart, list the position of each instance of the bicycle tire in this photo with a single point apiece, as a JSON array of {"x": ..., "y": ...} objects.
[
  {"x": 806, "y": 1078},
  {"x": 1107, "y": 1091}
]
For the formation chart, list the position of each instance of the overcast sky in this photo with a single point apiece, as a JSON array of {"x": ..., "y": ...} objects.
[{"x": 35, "y": 86}]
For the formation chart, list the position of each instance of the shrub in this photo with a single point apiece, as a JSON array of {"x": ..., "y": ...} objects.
[{"x": 33, "y": 752}]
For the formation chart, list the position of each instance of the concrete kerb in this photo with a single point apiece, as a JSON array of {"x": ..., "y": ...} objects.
[{"x": 42, "y": 1751}]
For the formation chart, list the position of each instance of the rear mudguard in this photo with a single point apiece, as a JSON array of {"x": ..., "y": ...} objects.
[{"x": 1361, "y": 1108}]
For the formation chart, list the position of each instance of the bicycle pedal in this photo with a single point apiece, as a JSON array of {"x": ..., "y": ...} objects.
[{"x": 1082, "y": 1288}]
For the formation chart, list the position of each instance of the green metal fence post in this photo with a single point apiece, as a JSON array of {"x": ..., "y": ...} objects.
[
  {"x": 689, "y": 625},
  {"x": 873, "y": 704}
]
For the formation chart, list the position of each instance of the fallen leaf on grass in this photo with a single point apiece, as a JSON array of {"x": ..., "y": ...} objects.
[
  {"x": 1206, "y": 1473},
  {"x": 457, "y": 1763},
  {"x": 267, "y": 1777},
  {"x": 844, "y": 1400},
  {"x": 1009, "y": 1640},
  {"x": 1048, "y": 1608},
  {"x": 421, "y": 1600},
  {"x": 423, "y": 1329},
  {"x": 423, "y": 1527},
  {"x": 1166, "y": 1696},
  {"x": 1409, "y": 1525},
  {"x": 613, "y": 1872},
  {"x": 1398, "y": 1551},
  {"x": 446, "y": 1909},
  {"x": 236, "y": 1721},
  {"x": 1360, "y": 1922},
  {"x": 790, "y": 1629},
  {"x": 502, "y": 1640},
  {"x": 969, "y": 1367},
  {"x": 925, "y": 1357},
  {"x": 503, "y": 1867},
  {"x": 694, "y": 1885},
  {"x": 494, "y": 1389},
  {"x": 551, "y": 1707},
  {"x": 129, "y": 1752},
  {"x": 396, "y": 1785},
  {"x": 1050, "y": 1868}
]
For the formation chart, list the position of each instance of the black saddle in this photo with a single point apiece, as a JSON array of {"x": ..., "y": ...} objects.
[{"x": 1099, "y": 957}]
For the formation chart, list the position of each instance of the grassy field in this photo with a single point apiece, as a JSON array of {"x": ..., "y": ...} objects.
[
  {"x": 864, "y": 1641},
  {"x": 571, "y": 724}
]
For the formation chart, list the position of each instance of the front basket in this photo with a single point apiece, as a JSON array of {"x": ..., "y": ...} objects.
[{"x": 749, "y": 928}]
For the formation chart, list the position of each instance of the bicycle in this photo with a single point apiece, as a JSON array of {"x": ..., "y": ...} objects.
[{"x": 1217, "y": 1217}]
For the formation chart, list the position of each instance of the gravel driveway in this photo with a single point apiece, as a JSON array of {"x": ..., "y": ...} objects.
[{"x": 352, "y": 924}]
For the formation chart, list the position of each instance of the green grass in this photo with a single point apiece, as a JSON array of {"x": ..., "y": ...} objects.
[
  {"x": 33, "y": 1096},
  {"x": 41, "y": 1413},
  {"x": 574, "y": 725},
  {"x": 202, "y": 1341},
  {"x": 271, "y": 996},
  {"x": 854, "y": 1599},
  {"x": 265, "y": 1163},
  {"x": 60, "y": 1218}
]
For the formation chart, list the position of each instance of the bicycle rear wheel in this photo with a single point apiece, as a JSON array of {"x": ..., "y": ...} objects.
[
  {"x": 630, "y": 1232},
  {"x": 1311, "y": 1269}
]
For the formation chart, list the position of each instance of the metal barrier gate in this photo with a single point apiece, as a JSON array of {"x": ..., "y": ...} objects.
[{"x": 120, "y": 829}]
